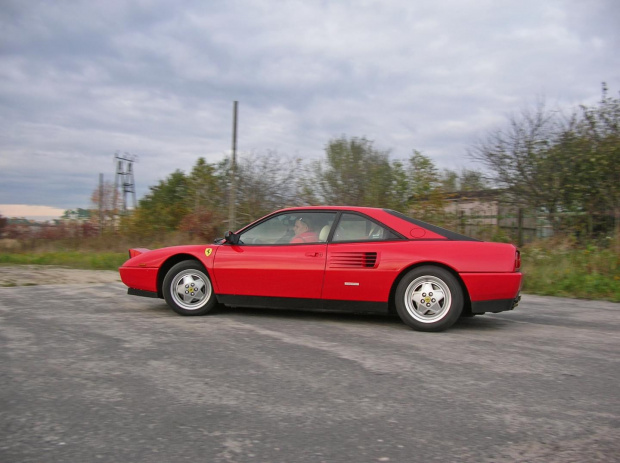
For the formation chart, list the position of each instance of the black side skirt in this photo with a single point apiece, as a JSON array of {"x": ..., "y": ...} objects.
[{"x": 302, "y": 304}]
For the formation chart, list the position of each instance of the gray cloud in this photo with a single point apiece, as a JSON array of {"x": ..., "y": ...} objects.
[{"x": 81, "y": 80}]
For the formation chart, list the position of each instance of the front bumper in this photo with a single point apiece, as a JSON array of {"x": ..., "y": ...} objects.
[
  {"x": 140, "y": 278},
  {"x": 140, "y": 292}
]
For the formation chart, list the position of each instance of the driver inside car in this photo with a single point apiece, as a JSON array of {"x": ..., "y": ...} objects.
[{"x": 304, "y": 232}]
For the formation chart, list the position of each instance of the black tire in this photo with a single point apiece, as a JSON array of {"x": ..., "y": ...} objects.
[
  {"x": 188, "y": 290},
  {"x": 429, "y": 298}
]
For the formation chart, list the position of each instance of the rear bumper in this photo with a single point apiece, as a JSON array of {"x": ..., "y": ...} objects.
[
  {"x": 492, "y": 286},
  {"x": 494, "y": 306},
  {"x": 493, "y": 292}
]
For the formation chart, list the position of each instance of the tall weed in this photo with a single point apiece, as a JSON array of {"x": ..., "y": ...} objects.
[{"x": 558, "y": 267}]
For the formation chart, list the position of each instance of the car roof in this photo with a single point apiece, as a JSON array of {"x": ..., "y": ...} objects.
[{"x": 334, "y": 208}]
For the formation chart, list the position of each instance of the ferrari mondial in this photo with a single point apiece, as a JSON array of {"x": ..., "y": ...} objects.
[{"x": 354, "y": 259}]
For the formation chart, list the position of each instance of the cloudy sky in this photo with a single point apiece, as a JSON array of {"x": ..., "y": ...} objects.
[{"x": 81, "y": 80}]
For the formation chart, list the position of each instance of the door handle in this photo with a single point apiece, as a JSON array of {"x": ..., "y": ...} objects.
[{"x": 314, "y": 254}]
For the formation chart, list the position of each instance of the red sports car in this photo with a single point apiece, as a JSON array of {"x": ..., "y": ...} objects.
[{"x": 355, "y": 259}]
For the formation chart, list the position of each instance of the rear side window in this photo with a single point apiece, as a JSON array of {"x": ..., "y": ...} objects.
[
  {"x": 434, "y": 228},
  {"x": 353, "y": 227}
]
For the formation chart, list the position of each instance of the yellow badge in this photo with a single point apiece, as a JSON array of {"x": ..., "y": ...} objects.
[{"x": 208, "y": 252}]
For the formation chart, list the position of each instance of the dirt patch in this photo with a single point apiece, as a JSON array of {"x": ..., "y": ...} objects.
[{"x": 31, "y": 275}]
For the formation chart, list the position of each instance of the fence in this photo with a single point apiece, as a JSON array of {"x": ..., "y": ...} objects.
[{"x": 521, "y": 226}]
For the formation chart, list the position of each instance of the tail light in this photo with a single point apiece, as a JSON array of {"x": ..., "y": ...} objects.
[{"x": 517, "y": 260}]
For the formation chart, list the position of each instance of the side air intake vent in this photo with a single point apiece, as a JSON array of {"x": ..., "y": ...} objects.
[{"x": 353, "y": 260}]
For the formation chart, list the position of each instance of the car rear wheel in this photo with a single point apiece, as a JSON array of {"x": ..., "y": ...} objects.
[
  {"x": 188, "y": 290},
  {"x": 429, "y": 298}
]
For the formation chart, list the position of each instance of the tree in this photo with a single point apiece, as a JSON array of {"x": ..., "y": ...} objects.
[
  {"x": 3, "y": 223},
  {"x": 523, "y": 162},
  {"x": 163, "y": 208},
  {"x": 106, "y": 205},
  {"x": 449, "y": 181},
  {"x": 426, "y": 195},
  {"x": 583, "y": 168},
  {"x": 598, "y": 161},
  {"x": 201, "y": 223},
  {"x": 354, "y": 174},
  {"x": 203, "y": 186},
  {"x": 266, "y": 182},
  {"x": 423, "y": 175},
  {"x": 516, "y": 154},
  {"x": 399, "y": 197},
  {"x": 471, "y": 180},
  {"x": 568, "y": 169},
  {"x": 465, "y": 180}
]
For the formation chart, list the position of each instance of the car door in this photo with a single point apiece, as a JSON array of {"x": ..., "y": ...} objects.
[
  {"x": 266, "y": 264},
  {"x": 361, "y": 260}
]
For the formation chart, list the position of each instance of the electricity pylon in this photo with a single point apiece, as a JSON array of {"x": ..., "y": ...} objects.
[{"x": 124, "y": 178}]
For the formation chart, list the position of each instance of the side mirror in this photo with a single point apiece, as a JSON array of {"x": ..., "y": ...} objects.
[{"x": 231, "y": 237}]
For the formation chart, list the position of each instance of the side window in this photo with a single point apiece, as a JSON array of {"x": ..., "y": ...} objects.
[
  {"x": 353, "y": 227},
  {"x": 291, "y": 228}
]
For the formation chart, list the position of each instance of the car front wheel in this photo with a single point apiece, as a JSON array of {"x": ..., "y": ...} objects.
[
  {"x": 429, "y": 299},
  {"x": 188, "y": 290}
]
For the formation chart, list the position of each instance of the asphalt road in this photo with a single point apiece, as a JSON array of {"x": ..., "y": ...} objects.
[{"x": 89, "y": 374}]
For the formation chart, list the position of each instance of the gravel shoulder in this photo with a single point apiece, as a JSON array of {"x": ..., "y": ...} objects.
[{"x": 35, "y": 275}]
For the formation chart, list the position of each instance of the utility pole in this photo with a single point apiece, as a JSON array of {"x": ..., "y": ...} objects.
[
  {"x": 100, "y": 204},
  {"x": 232, "y": 199}
]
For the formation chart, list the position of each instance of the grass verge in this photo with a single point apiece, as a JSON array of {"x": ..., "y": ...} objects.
[{"x": 72, "y": 259}]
